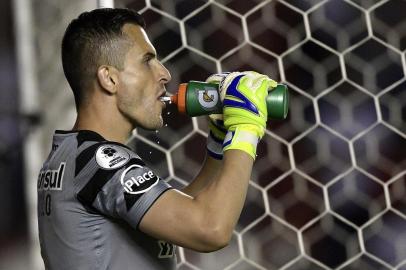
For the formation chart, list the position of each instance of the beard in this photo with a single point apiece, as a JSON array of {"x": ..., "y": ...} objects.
[
  {"x": 152, "y": 124},
  {"x": 148, "y": 119}
]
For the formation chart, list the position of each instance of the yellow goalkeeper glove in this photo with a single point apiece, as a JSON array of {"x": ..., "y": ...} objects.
[{"x": 244, "y": 109}]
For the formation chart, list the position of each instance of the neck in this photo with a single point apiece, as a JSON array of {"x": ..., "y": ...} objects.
[{"x": 108, "y": 122}]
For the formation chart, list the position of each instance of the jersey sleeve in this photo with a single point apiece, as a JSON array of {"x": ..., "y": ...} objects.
[{"x": 117, "y": 183}]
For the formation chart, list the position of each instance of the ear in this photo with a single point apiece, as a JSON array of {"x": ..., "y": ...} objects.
[{"x": 108, "y": 78}]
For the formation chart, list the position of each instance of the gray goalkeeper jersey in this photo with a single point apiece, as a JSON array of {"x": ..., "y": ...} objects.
[{"x": 92, "y": 194}]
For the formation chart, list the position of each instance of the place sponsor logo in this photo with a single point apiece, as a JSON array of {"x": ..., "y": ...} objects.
[{"x": 137, "y": 180}]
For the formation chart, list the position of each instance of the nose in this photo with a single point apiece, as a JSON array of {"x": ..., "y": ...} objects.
[{"x": 165, "y": 75}]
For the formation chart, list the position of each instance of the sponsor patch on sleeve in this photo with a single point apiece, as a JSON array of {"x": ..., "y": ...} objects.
[
  {"x": 110, "y": 156},
  {"x": 137, "y": 179}
]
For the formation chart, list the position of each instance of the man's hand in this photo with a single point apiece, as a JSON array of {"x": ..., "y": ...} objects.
[
  {"x": 244, "y": 109},
  {"x": 217, "y": 130}
]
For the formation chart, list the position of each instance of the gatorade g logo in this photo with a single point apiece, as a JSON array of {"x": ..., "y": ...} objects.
[
  {"x": 137, "y": 180},
  {"x": 208, "y": 97}
]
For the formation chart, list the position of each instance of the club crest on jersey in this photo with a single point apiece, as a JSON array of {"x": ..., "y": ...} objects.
[
  {"x": 137, "y": 183},
  {"x": 110, "y": 156}
]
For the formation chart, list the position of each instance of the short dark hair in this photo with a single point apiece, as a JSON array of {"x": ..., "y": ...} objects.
[{"x": 93, "y": 39}]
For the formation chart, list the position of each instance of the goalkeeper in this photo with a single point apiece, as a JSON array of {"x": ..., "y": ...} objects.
[{"x": 99, "y": 205}]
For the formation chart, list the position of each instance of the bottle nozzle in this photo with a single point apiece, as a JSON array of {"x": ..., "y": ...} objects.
[{"x": 165, "y": 99}]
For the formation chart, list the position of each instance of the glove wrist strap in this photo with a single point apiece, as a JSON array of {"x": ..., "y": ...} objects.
[
  {"x": 214, "y": 147},
  {"x": 242, "y": 138}
]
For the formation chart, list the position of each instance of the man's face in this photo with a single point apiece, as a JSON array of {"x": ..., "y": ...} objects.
[{"x": 142, "y": 82}]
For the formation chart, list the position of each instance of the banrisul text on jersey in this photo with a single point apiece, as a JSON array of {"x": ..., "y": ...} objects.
[{"x": 51, "y": 179}]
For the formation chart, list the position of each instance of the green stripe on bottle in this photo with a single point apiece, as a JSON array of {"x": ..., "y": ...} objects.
[{"x": 203, "y": 99}]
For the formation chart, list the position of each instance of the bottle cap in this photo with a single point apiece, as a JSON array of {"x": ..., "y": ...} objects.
[
  {"x": 180, "y": 98},
  {"x": 277, "y": 102}
]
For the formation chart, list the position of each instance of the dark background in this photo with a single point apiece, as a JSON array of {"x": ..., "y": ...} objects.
[{"x": 13, "y": 222}]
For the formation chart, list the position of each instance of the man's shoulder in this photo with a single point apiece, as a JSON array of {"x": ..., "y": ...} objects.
[
  {"x": 111, "y": 155},
  {"x": 107, "y": 155}
]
